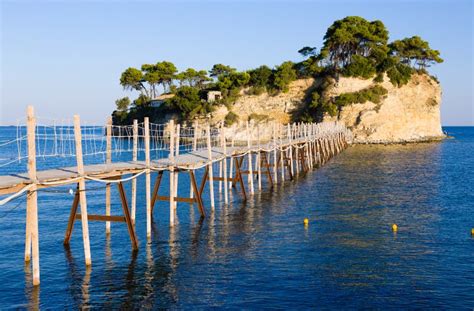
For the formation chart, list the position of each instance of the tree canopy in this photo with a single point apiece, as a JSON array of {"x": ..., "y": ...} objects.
[
  {"x": 415, "y": 51},
  {"x": 353, "y": 35},
  {"x": 284, "y": 75}
]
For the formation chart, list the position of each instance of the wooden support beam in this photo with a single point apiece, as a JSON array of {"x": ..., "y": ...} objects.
[
  {"x": 146, "y": 126},
  {"x": 176, "y": 175},
  {"x": 211, "y": 174},
  {"x": 82, "y": 190},
  {"x": 198, "y": 197},
  {"x": 108, "y": 160},
  {"x": 195, "y": 139},
  {"x": 156, "y": 188},
  {"x": 259, "y": 160},
  {"x": 171, "y": 172},
  {"x": 111, "y": 218},
  {"x": 32, "y": 231},
  {"x": 72, "y": 215},
  {"x": 126, "y": 216},
  {"x": 249, "y": 145},
  {"x": 105, "y": 218},
  {"x": 134, "y": 159},
  {"x": 224, "y": 164},
  {"x": 275, "y": 154}
]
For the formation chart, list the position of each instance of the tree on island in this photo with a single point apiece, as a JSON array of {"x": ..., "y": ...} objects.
[{"x": 415, "y": 51}]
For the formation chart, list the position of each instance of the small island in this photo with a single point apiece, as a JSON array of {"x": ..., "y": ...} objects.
[{"x": 381, "y": 90}]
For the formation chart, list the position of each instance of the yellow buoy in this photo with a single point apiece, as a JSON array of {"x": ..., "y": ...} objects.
[
  {"x": 394, "y": 228},
  {"x": 472, "y": 231},
  {"x": 306, "y": 221}
]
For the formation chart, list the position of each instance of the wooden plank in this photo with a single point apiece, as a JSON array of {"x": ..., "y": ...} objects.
[
  {"x": 176, "y": 199},
  {"x": 102, "y": 218}
]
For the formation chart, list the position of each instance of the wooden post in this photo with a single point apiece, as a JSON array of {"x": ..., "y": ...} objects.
[
  {"x": 290, "y": 149},
  {"x": 108, "y": 160},
  {"x": 297, "y": 150},
  {"x": 275, "y": 164},
  {"x": 231, "y": 173},
  {"x": 211, "y": 172},
  {"x": 282, "y": 154},
  {"x": 82, "y": 190},
  {"x": 195, "y": 138},
  {"x": 171, "y": 169},
  {"x": 32, "y": 232},
  {"x": 146, "y": 125},
  {"x": 224, "y": 164},
  {"x": 250, "y": 168},
  {"x": 178, "y": 134},
  {"x": 259, "y": 160},
  {"x": 220, "y": 177},
  {"x": 134, "y": 159}
]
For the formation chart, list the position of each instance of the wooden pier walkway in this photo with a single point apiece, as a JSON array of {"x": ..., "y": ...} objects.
[{"x": 292, "y": 149}]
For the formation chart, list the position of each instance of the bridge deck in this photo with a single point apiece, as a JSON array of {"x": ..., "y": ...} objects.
[{"x": 192, "y": 160}]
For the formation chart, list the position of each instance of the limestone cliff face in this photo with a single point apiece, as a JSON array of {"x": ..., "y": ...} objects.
[{"x": 406, "y": 114}]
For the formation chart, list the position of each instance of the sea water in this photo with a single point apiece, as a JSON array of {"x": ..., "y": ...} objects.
[{"x": 259, "y": 254}]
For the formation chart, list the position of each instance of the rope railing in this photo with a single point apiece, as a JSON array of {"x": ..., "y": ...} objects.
[{"x": 57, "y": 141}]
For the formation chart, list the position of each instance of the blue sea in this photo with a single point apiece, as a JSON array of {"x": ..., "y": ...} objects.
[{"x": 258, "y": 254}]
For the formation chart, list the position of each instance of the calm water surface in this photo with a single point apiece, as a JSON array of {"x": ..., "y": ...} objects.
[{"x": 259, "y": 254}]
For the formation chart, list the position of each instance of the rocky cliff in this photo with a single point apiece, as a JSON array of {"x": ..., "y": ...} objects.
[{"x": 409, "y": 113}]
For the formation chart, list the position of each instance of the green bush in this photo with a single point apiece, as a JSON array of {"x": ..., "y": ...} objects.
[
  {"x": 256, "y": 90},
  {"x": 283, "y": 76},
  {"x": 399, "y": 74},
  {"x": 230, "y": 118},
  {"x": 374, "y": 94},
  {"x": 258, "y": 117},
  {"x": 379, "y": 78}
]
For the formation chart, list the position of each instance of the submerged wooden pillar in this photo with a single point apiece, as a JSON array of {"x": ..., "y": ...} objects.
[
  {"x": 231, "y": 173},
  {"x": 146, "y": 125},
  {"x": 224, "y": 164},
  {"x": 210, "y": 168},
  {"x": 134, "y": 159},
  {"x": 195, "y": 138},
  {"x": 176, "y": 175},
  {"x": 290, "y": 142},
  {"x": 82, "y": 190},
  {"x": 171, "y": 170},
  {"x": 108, "y": 160},
  {"x": 282, "y": 154},
  {"x": 249, "y": 145},
  {"x": 275, "y": 155},
  {"x": 258, "y": 159},
  {"x": 32, "y": 231}
]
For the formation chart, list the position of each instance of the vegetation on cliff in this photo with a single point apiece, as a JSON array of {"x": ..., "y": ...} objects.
[{"x": 352, "y": 47}]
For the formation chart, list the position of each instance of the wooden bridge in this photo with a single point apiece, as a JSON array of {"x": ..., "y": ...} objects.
[{"x": 283, "y": 152}]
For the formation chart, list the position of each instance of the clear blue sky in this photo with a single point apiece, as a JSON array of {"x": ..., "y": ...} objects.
[{"x": 65, "y": 57}]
